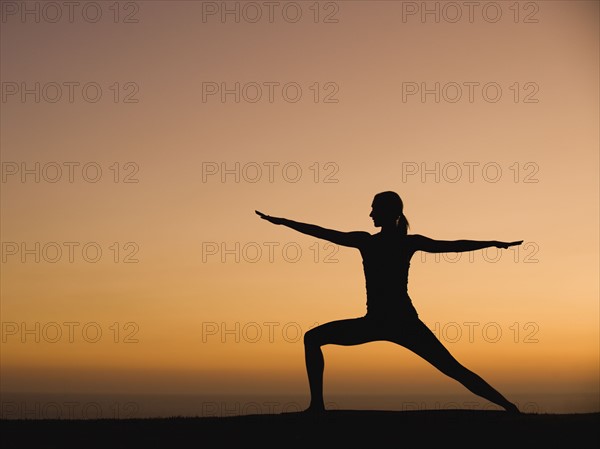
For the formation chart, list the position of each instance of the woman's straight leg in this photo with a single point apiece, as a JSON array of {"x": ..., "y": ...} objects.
[{"x": 417, "y": 337}]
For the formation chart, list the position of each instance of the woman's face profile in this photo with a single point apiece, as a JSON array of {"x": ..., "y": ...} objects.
[{"x": 377, "y": 214}]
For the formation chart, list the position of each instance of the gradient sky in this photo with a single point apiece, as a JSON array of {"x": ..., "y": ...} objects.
[{"x": 180, "y": 299}]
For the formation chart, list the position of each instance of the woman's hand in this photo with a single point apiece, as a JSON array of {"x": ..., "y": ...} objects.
[
  {"x": 507, "y": 244},
  {"x": 274, "y": 220}
]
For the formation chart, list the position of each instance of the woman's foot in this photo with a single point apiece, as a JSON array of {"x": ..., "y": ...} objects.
[
  {"x": 512, "y": 408},
  {"x": 315, "y": 408}
]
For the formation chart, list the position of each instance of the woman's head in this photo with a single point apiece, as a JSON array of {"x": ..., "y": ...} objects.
[{"x": 387, "y": 210}]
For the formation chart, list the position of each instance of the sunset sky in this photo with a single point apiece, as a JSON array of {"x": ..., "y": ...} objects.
[{"x": 137, "y": 143}]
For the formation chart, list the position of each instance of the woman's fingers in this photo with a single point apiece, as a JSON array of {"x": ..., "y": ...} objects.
[
  {"x": 265, "y": 217},
  {"x": 505, "y": 245}
]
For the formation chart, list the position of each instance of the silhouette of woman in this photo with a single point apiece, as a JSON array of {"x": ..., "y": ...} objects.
[{"x": 390, "y": 313}]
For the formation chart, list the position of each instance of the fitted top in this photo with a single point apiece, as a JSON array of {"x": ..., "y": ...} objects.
[{"x": 386, "y": 261}]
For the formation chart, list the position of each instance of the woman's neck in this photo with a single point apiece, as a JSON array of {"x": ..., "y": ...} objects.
[{"x": 389, "y": 230}]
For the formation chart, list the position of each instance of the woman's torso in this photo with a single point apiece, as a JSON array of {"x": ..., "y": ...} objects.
[{"x": 386, "y": 261}]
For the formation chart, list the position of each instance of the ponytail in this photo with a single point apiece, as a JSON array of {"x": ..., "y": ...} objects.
[{"x": 402, "y": 224}]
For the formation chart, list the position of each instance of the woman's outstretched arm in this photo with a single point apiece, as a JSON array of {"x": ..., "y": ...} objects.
[
  {"x": 352, "y": 239},
  {"x": 423, "y": 243}
]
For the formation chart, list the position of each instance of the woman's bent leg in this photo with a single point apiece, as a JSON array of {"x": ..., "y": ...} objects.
[{"x": 343, "y": 332}]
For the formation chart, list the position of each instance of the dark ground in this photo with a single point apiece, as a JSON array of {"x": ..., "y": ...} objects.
[{"x": 340, "y": 428}]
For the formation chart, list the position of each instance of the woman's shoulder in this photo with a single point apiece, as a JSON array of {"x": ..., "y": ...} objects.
[
  {"x": 415, "y": 240},
  {"x": 416, "y": 237}
]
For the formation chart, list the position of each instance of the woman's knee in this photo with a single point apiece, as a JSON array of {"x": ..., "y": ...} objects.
[{"x": 312, "y": 338}]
